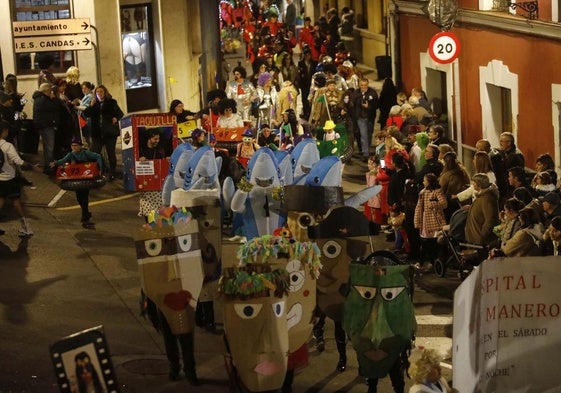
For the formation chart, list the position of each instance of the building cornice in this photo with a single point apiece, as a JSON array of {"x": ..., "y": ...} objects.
[{"x": 495, "y": 20}]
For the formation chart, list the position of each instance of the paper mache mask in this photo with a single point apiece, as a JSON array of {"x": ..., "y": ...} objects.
[
  {"x": 170, "y": 264},
  {"x": 302, "y": 262},
  {"x": 255, "y": 324},
  {"x": 379, "y": 316}
]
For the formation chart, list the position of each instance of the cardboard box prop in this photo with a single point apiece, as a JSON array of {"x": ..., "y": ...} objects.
[
  {"x": 204, "y": 205},
  {"x": 342, "y": 237},
  {"x": 302, "y": 262},
  {"x": 506, "y": 337},
  {"x": 171, "y": 269},
  {"x": 379, "y": 316},
  {"x": 82, "y": 363},
  {"x": 148, "y": 175},
  {"x": 255, "y": 301},
  {"x": 184, "y": 129}
]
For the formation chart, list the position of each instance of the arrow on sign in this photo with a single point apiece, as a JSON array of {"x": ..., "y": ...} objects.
[
  {"x": 85, "y": 25},
  {"x": 86, "y": 41}
]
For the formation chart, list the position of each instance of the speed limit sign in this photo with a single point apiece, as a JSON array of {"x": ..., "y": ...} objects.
[{"x": 444, "y": 47}]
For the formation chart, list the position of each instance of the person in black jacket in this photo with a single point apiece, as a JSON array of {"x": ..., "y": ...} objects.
[
  {"x": 105, "y": 114},
  {"x": 47, "y": 112},
  {"x": 365, "y": 104},
  {"x": 432, "y": 165}
]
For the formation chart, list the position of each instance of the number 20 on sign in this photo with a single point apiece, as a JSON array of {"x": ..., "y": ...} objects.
[{"x": 444, "y": 47}]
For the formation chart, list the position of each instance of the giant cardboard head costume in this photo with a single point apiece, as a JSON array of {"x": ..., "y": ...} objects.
[
  {"x": 255, "y": 324},
  {"x": 342, "y": 237},
  {"x": 204, "y": 205},
  {"x": 379, "y": 316},
  {"x": 302, "y": 262},
  {"x": 171, "y": 272}
]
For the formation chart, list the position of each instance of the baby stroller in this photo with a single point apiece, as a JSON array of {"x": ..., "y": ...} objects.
[{"x": 456, "y": 253}]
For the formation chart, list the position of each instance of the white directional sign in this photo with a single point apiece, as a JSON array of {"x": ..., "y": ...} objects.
[
  {"x": 53, "y": 43},
  {"x": 51, "y": 27}
]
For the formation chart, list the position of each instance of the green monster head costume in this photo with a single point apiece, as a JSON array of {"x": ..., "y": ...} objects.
[{"x": 379, "y": 316}]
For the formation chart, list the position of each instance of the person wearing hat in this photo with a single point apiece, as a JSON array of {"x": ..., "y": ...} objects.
[
  {"x": 329, "y": 133},
  {"x": 551, "y": 203},
  {"x": 77, "y": 154},
  {"x": 267, "y": 97},
  {"x": 198, "y": 136},
  {"x": 326, "y": 104},
  {"x": 246, "y": 148},
  {"x": 10, "y": 186},
  {"x": 267, "y": 136}
]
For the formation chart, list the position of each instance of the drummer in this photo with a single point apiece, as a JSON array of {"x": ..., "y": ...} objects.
[{"x": 75, "y": 156}]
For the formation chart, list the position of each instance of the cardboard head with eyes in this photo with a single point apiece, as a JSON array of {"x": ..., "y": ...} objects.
[
  {"x": 342, "y": 237},
  {"x": 171, "y": 272},
  {"x": 255, "y": 324},
  {"x": 204, "y": 205},
  {"x": 302, "y": 262},
  {"x": 379, "y": 316}
]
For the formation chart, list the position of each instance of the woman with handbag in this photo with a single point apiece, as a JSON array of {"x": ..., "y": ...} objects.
[{"x": 105, "y": 114}]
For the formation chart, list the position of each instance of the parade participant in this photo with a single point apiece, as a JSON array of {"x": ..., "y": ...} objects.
[
  {"x": 229, "y": 118},
  {"x": 168, "y": 298},
  {"x": 267, "y": 98},
  {"x": 380, "y": 324},
  {"x": 82, "y": 196},
  {"x": 242, "y": 91},
  {"x": 209, "y": 114},
  {"x": 246, "y": 148},
  {"x": 329, "y": 133},
  {"x": 176, "y": 108},
  {"x": 267, "y": 136},
  {"x": 152, "y": 149},
  {"x": 326, "y": 104}
]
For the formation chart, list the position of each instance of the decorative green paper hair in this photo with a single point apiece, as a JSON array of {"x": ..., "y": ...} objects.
[
  {"x": 260, "y": 249},
  {"x": 253, "y": 281}
]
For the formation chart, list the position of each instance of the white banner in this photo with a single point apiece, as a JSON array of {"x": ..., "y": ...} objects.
[{"x": 507, "y": 327}]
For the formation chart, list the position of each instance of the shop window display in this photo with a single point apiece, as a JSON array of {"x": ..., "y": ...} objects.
[{"x": 136, "y": 47}]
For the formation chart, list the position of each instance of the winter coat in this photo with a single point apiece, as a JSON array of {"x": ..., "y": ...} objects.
[
  {"x": 454, "y": 181},
  {"x": 525, "y": 242},
  {"x": 101, "y": 115},
  {"x": 482, "y": 216},
  {"x": 47, "y": 111},
  {"x": 429, "y": 212}
]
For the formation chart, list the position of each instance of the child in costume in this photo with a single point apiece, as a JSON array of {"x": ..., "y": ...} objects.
[
  {"x": 80, "y": 155},
  {"x": 396, "y": 220}
]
